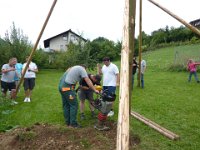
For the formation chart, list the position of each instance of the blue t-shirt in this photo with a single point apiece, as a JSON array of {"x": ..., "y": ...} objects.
[{"x": 18, "y": 68}]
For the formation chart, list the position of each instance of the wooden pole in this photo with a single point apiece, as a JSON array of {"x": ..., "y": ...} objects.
[
  {"x": 36, "y": 44},
  {"x": 194, "y": 29},
  {"x": 132, "y": 48},
  {"x": 155, "y": 126},
  {"x": 140, "y": 45},
  {"x": 124, "y": 95}
]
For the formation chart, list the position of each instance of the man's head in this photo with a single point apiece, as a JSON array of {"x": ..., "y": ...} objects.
[
  {"x": 12, "y": 61},
  {"x": 96, "y": 79},
  {"x": 106, "y": 61}
]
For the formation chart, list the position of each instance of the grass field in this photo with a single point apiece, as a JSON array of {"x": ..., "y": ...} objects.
[{"x": 167, "y": 99}]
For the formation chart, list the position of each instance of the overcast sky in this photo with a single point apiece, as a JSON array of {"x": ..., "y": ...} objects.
[{"x": 91, "y": 18}]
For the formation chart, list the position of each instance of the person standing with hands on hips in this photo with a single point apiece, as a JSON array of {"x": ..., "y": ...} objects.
[{"x": 110, "y": 74}]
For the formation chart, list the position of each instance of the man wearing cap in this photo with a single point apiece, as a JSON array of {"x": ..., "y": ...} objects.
[
  {"x": 110, "y": 77},
  {"x": 68, "y": 93},
  {"x": 85, "y": 92}
]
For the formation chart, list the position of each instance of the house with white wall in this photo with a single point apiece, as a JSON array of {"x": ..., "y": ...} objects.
[
  {"x": 195, "y": 23},
  {"x": 61, "y": 41}
]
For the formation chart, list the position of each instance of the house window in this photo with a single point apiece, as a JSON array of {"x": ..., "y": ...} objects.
[
  {"x": 62, "y": 47},
  {"x": 65, "y": 37},
  {"x": 72, "y": 38}
]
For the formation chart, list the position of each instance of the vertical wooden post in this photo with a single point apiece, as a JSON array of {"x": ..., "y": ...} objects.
[
  {"x": 132, "y": 14},
  {"x": 195, "y": 30},
  {"x": 124, "y": 95},
  {"x": 36, "y": 44},
  {"x": 140, "y": 45}
]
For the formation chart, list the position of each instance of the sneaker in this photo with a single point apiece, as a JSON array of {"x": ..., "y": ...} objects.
[
  {"x": 13, "y": 102},
  {"x": 25, "y": 100},
  {"x": 101, "y": 128},
  {"x": 76, "y": 126},
  {"x": 110, "y": 114},
  {"x": 28, "y": 99},
  {"x": 82, "y": 116}
]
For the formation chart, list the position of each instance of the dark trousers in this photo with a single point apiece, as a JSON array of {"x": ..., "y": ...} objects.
[
  {"x": 70, "y": 107},
  {"x": 69, "y": 102}
]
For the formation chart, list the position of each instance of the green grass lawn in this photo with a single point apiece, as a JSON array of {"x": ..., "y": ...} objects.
[{"x": 167, "y": 99}]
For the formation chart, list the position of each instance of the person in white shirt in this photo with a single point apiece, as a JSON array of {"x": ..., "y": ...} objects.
[
  {"x": 29, "y": 79},
  {"x": 143, "y": 68},
  {"x": 110, "y": 74}
]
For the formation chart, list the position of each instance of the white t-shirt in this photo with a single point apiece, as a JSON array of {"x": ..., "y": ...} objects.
[
  {"x": 110, "y": 74},
  {"x": 30, "y": 74},
  {"x": 143, "y": 66}
]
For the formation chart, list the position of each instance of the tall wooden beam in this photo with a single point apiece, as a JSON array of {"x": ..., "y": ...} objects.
[
  {"x": 36, "y": 44},
  {"x": 195, "y": 30},
  {"x": 140, "y": 45},
  {"x": 132, "y": 14},
  {"x": 124, "y": 95}
]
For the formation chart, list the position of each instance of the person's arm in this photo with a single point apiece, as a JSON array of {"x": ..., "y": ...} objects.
[
  {"x": 33, "y": 69},
  {"x": 89, "y": 83},
  {"x": 4, "y": 70},
  {"x": 99, "y": 67},
  {"x": 197, "y": 63}
]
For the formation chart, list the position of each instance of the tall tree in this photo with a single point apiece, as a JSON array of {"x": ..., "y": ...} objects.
[{"x": 19, "y": 45}]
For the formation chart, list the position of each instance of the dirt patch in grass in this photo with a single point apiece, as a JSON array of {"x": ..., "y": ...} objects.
[{"x": 51, "y": 137}]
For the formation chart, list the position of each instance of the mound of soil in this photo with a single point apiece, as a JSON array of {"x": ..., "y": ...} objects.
[{"x": 51, "y": 137}]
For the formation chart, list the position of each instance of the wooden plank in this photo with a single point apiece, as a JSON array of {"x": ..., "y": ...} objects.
[{"x": 155, "y": 126}]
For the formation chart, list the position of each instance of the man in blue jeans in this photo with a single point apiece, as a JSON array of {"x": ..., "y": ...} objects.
[
  {"x": 110, "y": 77},
  {"x": 68, "y": 93}
]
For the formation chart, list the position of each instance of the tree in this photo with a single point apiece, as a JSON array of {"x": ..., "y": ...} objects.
[
  {"x": 102, "y": 47},
  {"x": 19, "y": 45},
  {"x": 4, "y": 52}
]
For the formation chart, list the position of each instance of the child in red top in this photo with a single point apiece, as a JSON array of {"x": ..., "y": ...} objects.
[{"x": 193, "y": 70}]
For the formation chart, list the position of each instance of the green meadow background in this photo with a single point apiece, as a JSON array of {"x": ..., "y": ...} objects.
[{"x": 167, "y": 99}]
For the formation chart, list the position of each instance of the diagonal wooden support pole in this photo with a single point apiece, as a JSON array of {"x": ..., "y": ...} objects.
[
  {"x": 155, "y": 126},
  {"x": 195, "y": 30},
  {"x": 35, "y": 46}
]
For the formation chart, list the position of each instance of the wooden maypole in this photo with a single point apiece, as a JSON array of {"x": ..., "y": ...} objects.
[
  {"x": 35, "y": 46},
  {"x": 124, "y": 95},
  {"x": 194, "y": 29},
  {"x": 140, "y": 45}
]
